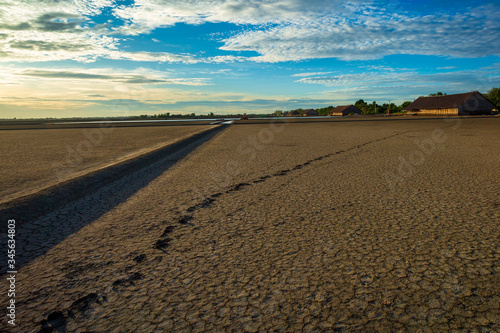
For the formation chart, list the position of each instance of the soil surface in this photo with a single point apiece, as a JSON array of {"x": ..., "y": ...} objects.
[
  {"x": 387, "y": 225},
  {"x": 36, "y": 158}
]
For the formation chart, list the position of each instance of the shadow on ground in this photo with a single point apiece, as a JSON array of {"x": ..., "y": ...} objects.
[{"x": 46, "y": 219}]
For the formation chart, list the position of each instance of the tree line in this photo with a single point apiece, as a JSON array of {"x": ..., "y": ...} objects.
[
  {"x": 366, "y": 108},
  {"x": 373, "y": 108}
]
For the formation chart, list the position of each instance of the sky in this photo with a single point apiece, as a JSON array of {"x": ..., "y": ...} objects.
[{"x": 77, "y": 58}]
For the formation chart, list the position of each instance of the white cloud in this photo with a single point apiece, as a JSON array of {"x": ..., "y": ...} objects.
[
  {"x": 311, "y": 74},
  {"x": 291, "y": 30},
  {"x": 361, "y": 38},
  {"x": 277, "y": 30},
  {"x": 51, "y": 30},
  {"x": 146, "y": 15},
  {"x": 34, "y": 31},
  {"x": 90, "y": 7}
]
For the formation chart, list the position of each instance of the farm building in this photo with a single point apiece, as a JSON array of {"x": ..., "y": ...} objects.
[
  {"x": 293, "y": 113},
  {"x": 458, "y": 104},
  {"x": 310, "y": 112},
  {"x": 344, "y": 110}
]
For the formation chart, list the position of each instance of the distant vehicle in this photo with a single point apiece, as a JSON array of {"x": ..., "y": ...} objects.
[{"x": 244, "y": 117}]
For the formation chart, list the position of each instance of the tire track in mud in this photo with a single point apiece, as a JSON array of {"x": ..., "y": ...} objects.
[
  {"x": 163, "y": 241},
  {"x": 58, "y": 319}
]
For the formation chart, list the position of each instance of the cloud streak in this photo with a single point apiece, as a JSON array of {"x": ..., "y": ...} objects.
[
  {"x": 127, "y": 77},
  {"x": 393, "y": 85}
]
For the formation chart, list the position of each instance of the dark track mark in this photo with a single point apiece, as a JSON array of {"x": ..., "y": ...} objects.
[
  {"x": 207, "y": 202},
  {"x": 237, "y": 187},
  {"x": 185, "y": 219},
  {"x": 261, "y": 179},
  {"x": 162, "y": 244},
  {"x": 168, "y": 230},
  {"x": 140, "y": 258},
  {"x": 281, "y": 173},
  {"x": 55, "y": 321}
]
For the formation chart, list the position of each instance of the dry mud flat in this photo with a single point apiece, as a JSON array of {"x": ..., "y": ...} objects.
[
  {"x": 330, "y": 226},
  {"x": 40, "y": 157}
]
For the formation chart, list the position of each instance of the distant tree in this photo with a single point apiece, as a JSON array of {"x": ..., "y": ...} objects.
[
  {"x": 403, "y": 105},
  {"x": 371, "y": 108},
  {"x": 439, "y": 93},
  {"x": 278, "y": 113},
  {"x": 325, "y": 111},
  {"x": 494, "y": 96},
  {"x": 360, "y": 104}
]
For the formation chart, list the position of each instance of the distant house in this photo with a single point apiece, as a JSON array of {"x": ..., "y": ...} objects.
[
  {"x": 293, "y": 113},
  {"x": 458, "y": 104},
  {"x": 310, "y": 112},
  {"x": 344, "y": 110}
]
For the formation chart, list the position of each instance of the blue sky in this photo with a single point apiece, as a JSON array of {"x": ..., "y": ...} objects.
[{"x": 122, "y": 58}]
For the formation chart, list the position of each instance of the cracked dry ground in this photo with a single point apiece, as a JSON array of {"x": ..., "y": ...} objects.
[{"x": 300, "y": 233}]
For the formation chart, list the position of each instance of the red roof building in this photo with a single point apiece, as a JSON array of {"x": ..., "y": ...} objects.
[
  {"x": 457, "y": 104},
  {"x": 344, "y": 110},
  {"x": 310, "y": 112}
]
